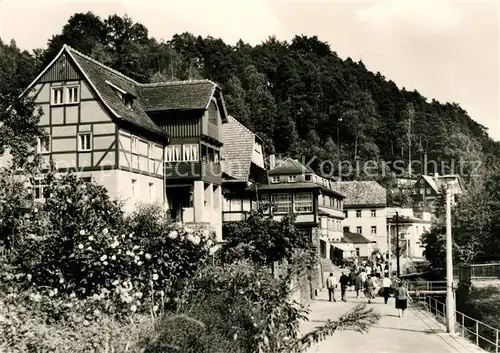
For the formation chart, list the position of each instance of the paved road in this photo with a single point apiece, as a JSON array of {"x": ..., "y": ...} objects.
[{"x": 416, "y": 332}]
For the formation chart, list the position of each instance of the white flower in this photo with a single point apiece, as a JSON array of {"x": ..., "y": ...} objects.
[
  {"x": 139, "y": 263},
  {"x": 155, "y": 277},
  {"x": 155, "y": 308},
  {"x": 115, "y": 244},
  {"x": 115, "y": 283},
  {"x": 105, "y": 231},
  {"x": 96, "y": 312},
  {"x": 72, "y": 295},
  {"x": 148, "y": 256},
  {"x": 133, "y": 308},
  {"x": 188, "y": 230},
  {"x": 141, "y": 252},
  {"x": 105, "y": 263},
  {"x": 91, "y": 238},
  {"x": 138, "y": 294},
  {"x": 80, "y": 246},
  {"x": 123, "y": 236},
  {"x": 82, "y": 232},
  {"x": 196, "y": 240},
  {"x": 131, "y": 235},
  {"x": 61, "y": 280},
  {"x": 103, "y": 257},
  {"x": 135, "y": 247},
  {"x": 85, "y": 198},
  {"x": 113, "y": 257},
  {"x": 89, "y": 248},
  {"x": 173, "y": 234}
]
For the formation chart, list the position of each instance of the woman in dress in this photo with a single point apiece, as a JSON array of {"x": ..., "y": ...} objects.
[
  {"x": 402, "y": 297},
  {"x": 358, "y": 284},
  {"x": 369, "y": 289}
]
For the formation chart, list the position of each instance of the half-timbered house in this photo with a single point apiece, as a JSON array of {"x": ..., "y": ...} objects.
[{"x": 143, "y": 142}]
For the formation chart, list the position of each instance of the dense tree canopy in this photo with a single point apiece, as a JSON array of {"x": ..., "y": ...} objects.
[{"x": 299, "y": 96}]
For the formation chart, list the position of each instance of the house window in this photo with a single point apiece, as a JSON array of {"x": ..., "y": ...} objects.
[
  {"x": 292, "y": 178},
  {"x": 40, "y": 189},
  {"x": 44, "y": 144},
  {"x": 282, "y": 202},
  {"x": 72, "y": 95},
  {"x": 303, "y": 202},
  {"x": 133, "y": 144},
  {"x": 264, "y": 203},
  {"x": 374, "y": 230},
  {"x": 84, "y": 141},
  {"x": 345, "y": 214},
  {"x": 373, "y": 213},
  {"x": 216, "y": 157},
  {"x": 127, "y": 100},
  {"x": 346, "y": 230},
  {"x": 275, "y": 179},
  {"x": 358, "y": 213},
  {"x": 308, "y": 177},
  {"x": 357, "y": 252},
  {"x": 133, "y": 187},
  {"x": 236, "y": 205},
  {"x": 190, "y": 153},
  {"x": 57, "y": 96},
  {"x": 151, "y": 189},
  {"x": 173, "y": 153},
  {"x": 151, "y": 159},
  {"x": 358, "y": 230}
]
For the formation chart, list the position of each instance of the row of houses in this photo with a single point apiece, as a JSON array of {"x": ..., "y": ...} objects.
[{"x": 175, "y": 143}]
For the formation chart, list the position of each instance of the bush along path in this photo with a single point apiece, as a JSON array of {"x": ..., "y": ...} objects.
[{"x": 81, "y": 276}]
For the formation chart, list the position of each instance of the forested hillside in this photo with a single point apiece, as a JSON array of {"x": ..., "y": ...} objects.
[{"x": 299, "y": 96}]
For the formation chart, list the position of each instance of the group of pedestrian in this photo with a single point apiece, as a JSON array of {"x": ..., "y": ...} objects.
[{"x": 364, "y": 280}]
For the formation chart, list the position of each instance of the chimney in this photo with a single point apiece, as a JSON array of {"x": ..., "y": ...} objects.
[{"x": 272, "y": 161}]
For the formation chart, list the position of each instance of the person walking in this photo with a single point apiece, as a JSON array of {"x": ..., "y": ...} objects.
[
  {"x": 331, "y": 283},
  {"x": 352, "y": 278},
  {"x": 369, "y": 287},
  {"x": 402, "y": 297},
  {"x": 358, "y": 284},
  {"x": 344, "y": 282},
  {"x": 386, "y": 287}
]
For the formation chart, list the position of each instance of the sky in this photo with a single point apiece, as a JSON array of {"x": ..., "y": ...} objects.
[{"x": 447, "y": 50}]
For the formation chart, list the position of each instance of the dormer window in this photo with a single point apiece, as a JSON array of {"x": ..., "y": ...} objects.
[
  {"x": 126, "y": 97},
  {"x": 128, "y": 100},
  {"x": 292, "y": 178},
  {"x": 275, "y": 179},
  {"x": 308, "y": 177}
]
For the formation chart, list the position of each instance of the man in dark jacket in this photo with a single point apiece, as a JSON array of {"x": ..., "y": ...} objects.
[{"x": 344, "y": 282}]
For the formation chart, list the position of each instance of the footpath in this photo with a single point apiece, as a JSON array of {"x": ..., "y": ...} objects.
[{"x": 418, "y": 331}]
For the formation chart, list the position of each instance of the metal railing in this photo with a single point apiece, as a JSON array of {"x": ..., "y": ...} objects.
[
  {"x": 485, "y": 271},
  {"x": 426, "y": 286},
  {"x": 482, "y": 335}
]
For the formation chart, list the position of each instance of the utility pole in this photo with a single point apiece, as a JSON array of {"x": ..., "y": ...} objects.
[
  {"x": 450, "y": 297},
  {"x": 411, "y": 114},
  {"x": 397, "y": 244}
]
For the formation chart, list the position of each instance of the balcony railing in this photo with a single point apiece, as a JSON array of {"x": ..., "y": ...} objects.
[{"x": 193, "y": 170}]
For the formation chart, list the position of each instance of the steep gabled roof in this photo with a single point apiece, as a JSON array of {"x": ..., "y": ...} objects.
[
  {"x": 177, "y": 95},
  {"x": 108, "y": 84},
  {"x": 290, "y": 166},
  {"x": 359, "y": 193},
  {"x": 431, "y": 182},
  {"x": 355, "y": 238},
  {"x": 237, "y": 149},
  {"x": 99, "y": 75}
]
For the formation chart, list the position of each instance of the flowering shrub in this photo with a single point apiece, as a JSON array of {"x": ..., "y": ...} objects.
[{"x": 82, "y": 245}]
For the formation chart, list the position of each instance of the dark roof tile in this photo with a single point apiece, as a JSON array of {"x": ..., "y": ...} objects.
[
  {"x": 237, "y": 149},
  {"x": 355, "y": 238},
  {"x": 177, "y": 95}
]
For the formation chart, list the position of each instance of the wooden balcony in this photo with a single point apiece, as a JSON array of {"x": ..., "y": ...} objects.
[{"x": 191, "y": 171}]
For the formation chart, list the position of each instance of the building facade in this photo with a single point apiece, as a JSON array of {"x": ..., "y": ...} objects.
[
  {"x": 365, "y": 211},
  {"x": 143, "y": 142},
  {"x": 243, "y": 165},
  {"x": 426, "y": 190}
]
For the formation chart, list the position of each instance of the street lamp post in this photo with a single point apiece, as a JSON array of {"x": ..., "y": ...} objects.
[
  {"x": 397, "y": 244},
  {"x": 450, "y": 298}
]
